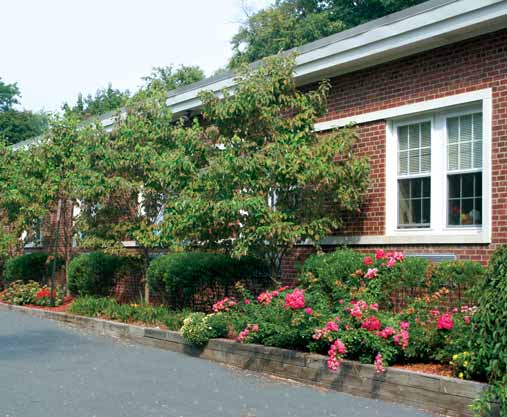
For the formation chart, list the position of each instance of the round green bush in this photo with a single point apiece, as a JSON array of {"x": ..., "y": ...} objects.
[
  {"x": 93, "y": 273},
  {"x": 29, "y": 267},
  {"x": 178, "y": 277}
]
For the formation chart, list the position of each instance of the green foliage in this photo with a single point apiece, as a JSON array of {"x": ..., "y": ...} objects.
[
  {"x": 323, "y": 272},
  {"x": 17, "y": 125},
  {"x": 198, "y": 328},
  {"x": 108, "y": 308},
  {"x": 491, "y": 329},
  {"x": 95, "y": 273},
  {"x": 258, "y": 146},
  {"x": 291, "y": 23},
  {"x": 104, "y": 100},
  {"x": 179, "y": 277},
  {"x": 28, "y": 267},
  {"x": 20, "y": 293},
  {"x": 169, "y": 78}
]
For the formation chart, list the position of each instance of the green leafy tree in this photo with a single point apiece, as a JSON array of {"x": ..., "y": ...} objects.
[
  {"x": 105, "y": 100},
  {"x": 291, "y": 23},
  {"x": 255, "y": 177},
  {"x": 168, "y": 78},
  {"x": 124, "y": 202},
  {"x": 17, "y": 125}
]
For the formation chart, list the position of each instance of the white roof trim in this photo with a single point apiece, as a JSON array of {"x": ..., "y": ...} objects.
[{"x": 431, "y": 28}]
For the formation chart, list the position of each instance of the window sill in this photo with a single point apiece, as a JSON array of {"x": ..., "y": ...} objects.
[{"x": 457, "y": 237}]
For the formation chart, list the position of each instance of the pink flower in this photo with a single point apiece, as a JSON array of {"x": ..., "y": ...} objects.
[
  {"x": 368, "y": 261},
  {"x": 247, "y": 301},
  {"x": 295, "y": 299},
  {"x": 374, "y": 307},
  {"x": 308, "y": 311},
  {"x": 372, "y": 273},
  {"x": 466, "y": 319},
  {"x": 398, "y": 256},
  {"x": 404, "y": 339},
  {"x": 379, "y": 367},
  {"x": 282, "y": 289},
  {"x": 445, "y": 322},
  {"x": 335, "y": 355},
  {"x": 332, "y": 326},
  {"x": 391, "y": 262},
  {"x": 275, "y": 293},
  {"x": 224, "y": 305},
  {"x": 387, "y": 332},
  {"x": 265, "y": 297},
  {"x": 434, "y": 313},
  {"x": 341, "y": 301},
  {"x": 404, "y": 325},
  {"x": 380, "y": 254},
  {"x": 371, "y": 324},
  {"x": 255, "y": 328}
]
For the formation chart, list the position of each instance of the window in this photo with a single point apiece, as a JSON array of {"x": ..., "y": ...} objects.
[
  {"x": 438, "y": 171},
  {"x": 414, "y": 168},
  {"x": 464, "y": 166}
]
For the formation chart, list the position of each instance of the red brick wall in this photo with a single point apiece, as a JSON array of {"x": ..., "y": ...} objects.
[{"x": 462, "y": 67}]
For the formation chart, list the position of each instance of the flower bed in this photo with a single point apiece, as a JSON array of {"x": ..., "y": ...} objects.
[{"x": 351, "y": 321}]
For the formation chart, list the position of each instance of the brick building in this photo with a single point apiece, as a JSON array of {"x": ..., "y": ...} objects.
[{"x": 427, "y": 88}]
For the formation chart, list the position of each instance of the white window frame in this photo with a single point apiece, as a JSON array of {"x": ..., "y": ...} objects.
[{"x": 439, "y": 230}]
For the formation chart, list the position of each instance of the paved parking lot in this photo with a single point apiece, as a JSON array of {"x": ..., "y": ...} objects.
[{"x": 48, "y": 370}]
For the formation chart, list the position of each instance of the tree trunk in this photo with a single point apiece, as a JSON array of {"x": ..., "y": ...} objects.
[{"x": 146, "y": 263}]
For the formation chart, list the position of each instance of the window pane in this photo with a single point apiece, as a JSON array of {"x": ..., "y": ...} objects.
[
  {"x": 414, "y": 149},
  {"x": 454, "y": 185},
  {"x": 413, "y": 161},
  {"x": 452, "y": 157},
  {"x": 465, "y": 154},
  {"x": 425, "y": 134},
  {"x": 413, "y": 136},
  {"x": 465, "y": 128},
  {"x": 414, "y": 202},
  {"x": 465, "y": 199},
  {"x": 426, "y": 187},
  {"x": 467, "y": 186},
  {"x": 403, "y": 163},
  {"x": 453, "y": 129},
  {"x": 464, "y": 142},
  {"x": 403, "y": 137}
]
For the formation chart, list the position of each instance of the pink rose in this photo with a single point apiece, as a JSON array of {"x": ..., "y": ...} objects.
[
  {"x": 445, "y": 322},
  {"x": 380, "y": 254},
  {"x": 368, "y": 261}
]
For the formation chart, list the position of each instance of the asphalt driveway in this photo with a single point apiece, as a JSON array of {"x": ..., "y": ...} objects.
[{"x": 48, "y": 370}]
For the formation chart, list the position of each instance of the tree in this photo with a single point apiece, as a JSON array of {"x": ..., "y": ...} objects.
[
  {"x": 292, "y": 23},
  {"x": 126, "y": 198},
  {"x": 254, "y": 177},
  {"x": 168, "y": 78},
  {"x": 105, "y": 100},
  {"x": 17, "y": 125}
]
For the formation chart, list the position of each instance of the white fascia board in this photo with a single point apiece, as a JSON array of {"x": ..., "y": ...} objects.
[{"x": 430, "y": 29}]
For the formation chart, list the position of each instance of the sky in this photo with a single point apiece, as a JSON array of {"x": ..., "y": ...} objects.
[{"x": 55, "y": 49}]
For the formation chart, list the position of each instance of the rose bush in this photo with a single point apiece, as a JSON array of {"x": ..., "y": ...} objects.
[{"x": 348, "y": 316}]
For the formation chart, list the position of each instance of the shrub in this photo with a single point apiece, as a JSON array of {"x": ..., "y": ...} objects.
[
  {"x": 128, "y": 313},
  {"x": 179, "y": 277},
  {"x": 95, "y": 273},
  {"x": 323, "y": 271},
  {"x": 198, "y": 328},
  {"x": 29, "y": 267},
  {"x": 21, "y": 293},
  {"x": 491, "y": 330}
]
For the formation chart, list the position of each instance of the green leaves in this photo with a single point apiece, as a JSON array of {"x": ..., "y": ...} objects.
[{"x": 261, "y": 179}]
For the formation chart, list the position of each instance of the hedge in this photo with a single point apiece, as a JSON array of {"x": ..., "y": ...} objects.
[
  {"x": 28, "y": 267},
  {"x": 179, "y": 277}
]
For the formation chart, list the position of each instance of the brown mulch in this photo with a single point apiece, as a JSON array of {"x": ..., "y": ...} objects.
[{"x": 428, "y": 368}]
